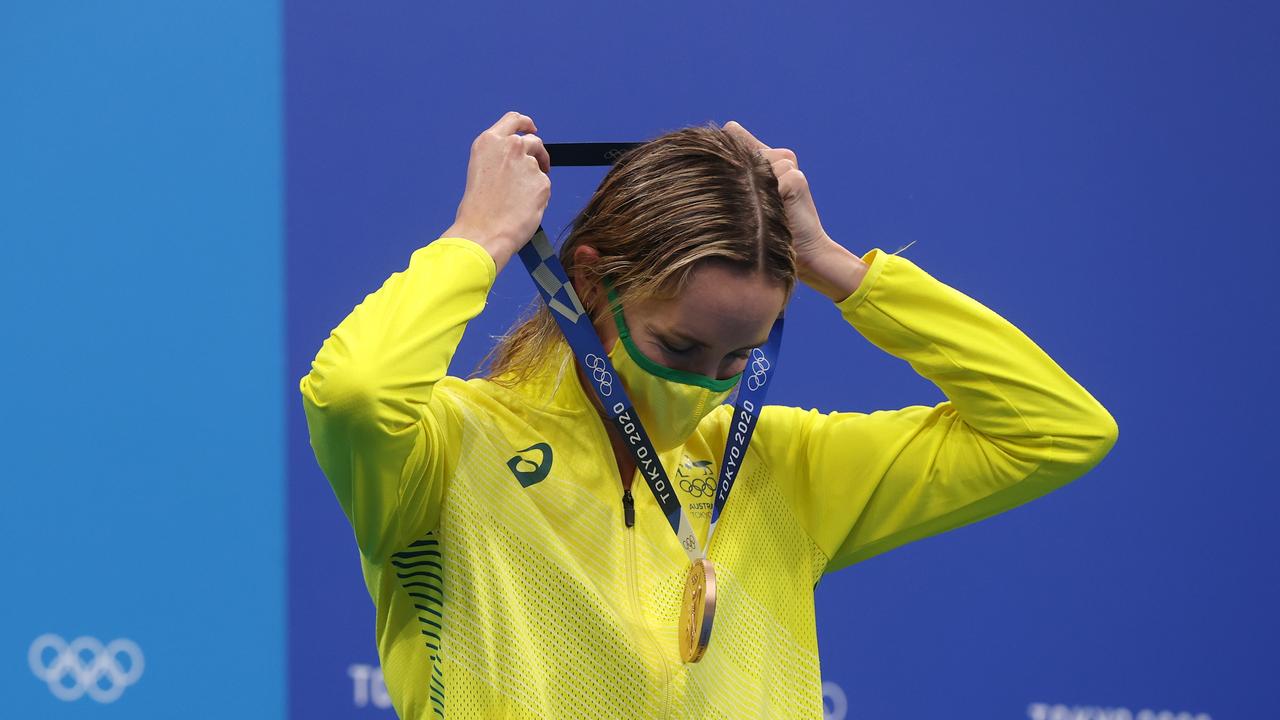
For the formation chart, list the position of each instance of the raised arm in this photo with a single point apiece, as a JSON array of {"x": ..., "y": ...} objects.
[
  {"x": 384, "y": 439},
  {"x": 1015, "y": 425},
  {"x": 378, "y": 432}
]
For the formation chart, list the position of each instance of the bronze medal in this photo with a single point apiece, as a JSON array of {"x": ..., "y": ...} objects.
[{"x": 698, "y": 610}]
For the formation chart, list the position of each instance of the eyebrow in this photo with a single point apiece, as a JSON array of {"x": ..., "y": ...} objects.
[{"x": 676, "y": 334}]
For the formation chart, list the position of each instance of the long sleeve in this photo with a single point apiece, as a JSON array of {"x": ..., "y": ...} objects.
[
  {"x": 1014, "y": 427},
  {"x": 383, "y": 439}
]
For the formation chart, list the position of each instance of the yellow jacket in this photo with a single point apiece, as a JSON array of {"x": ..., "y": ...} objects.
[{"x": 506, "y": 591}]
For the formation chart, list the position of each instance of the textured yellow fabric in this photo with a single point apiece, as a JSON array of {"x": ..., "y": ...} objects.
[{"x": 490, "y": 522}]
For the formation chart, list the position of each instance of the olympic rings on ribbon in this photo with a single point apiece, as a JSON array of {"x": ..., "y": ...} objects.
[
  {"x": 759, "y": 369},
  {"x": 601, "y": 374}
]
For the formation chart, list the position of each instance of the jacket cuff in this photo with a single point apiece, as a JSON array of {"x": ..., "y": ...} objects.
[
  {"x": 465, "y": 247},
  {"x": 876, "y": 260}
]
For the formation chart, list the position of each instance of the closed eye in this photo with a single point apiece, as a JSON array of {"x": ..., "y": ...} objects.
[{"x": 673, "y": 349}]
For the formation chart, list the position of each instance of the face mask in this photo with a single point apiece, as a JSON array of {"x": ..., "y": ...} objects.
[{"x": 670, "y": 402}]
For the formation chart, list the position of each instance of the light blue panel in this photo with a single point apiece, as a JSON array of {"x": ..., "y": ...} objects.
[{"x": 140, "y": 259}]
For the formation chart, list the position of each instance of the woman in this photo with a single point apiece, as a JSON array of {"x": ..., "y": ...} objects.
[{"x": 514, "y": 571}]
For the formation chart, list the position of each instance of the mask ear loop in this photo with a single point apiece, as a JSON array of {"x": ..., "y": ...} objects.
[
  {"x": 614, "y": 306},
  {"x": 624, "y": 330},
  {"x": 611, "y": 294}
]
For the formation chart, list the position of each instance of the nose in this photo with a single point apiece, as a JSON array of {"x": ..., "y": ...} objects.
[
  {"x": 731, "y": 367},
  {"x": 705, "y": 369}
]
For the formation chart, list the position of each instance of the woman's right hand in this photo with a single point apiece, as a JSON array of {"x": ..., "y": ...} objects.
[{"x": 507, "y": 188}]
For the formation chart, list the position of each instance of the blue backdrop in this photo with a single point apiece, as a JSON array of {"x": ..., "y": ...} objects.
[{"x": 194, "y": 196}]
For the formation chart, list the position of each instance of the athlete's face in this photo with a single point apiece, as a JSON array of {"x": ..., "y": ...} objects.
[{"x": 708, "y": 329}]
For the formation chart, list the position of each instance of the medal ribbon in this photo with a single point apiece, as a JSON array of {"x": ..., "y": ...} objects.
[{"x": 553, "y": 285}]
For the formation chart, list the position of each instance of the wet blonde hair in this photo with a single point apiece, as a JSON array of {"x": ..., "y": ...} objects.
[{"x": 692, "y": 196}]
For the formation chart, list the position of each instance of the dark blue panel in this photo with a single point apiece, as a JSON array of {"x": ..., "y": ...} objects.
[{"x": 1103, "y": 175}]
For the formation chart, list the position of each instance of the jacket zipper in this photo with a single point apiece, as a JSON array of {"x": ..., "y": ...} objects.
[
  {"x": 628, "y": 504},
  {"x": 628, "y": 508},
  {"x": 633, "y": 591}
]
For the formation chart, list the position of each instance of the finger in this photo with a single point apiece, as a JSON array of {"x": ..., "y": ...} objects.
[
  {"x": 776, "y": 154},
  {"x": 533, "y": 146},
  {"x": 782, "y": 172},
  {"x": 736, "y": 128},
  {"x": 512, "y": 123},
  {"x": 792, "y": 184}
]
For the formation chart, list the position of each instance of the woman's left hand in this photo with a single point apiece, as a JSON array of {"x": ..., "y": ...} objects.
[{"x": 820, "y": 261}]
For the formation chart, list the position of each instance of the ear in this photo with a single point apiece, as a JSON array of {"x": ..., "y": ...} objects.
[
  {"x": 590, "y": 291},
  {"x": 592, "y": 294}
]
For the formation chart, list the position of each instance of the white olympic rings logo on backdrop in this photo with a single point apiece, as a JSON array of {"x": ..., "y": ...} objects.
[
  {"x": 839, "y": 701},
  {"x": 603, "y": 378},
  {"x": 759, "y": 369},
  {"x": 87, "y": 663}
]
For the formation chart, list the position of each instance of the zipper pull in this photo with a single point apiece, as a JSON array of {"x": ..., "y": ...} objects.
[{"x": 628, "y": 508}]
